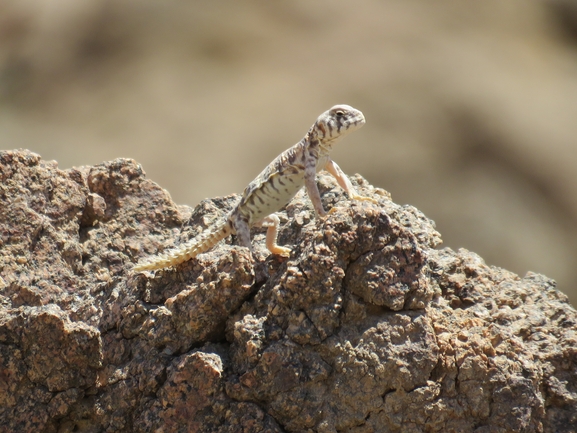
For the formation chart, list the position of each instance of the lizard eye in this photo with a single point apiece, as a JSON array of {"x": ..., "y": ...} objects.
[{"x": 340, "y": 113}]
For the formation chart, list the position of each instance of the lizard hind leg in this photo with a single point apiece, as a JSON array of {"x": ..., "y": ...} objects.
[{"x": 272, "y": 223}]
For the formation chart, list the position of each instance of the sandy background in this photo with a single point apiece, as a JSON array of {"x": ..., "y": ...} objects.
[{"x": 471, "y": 106}]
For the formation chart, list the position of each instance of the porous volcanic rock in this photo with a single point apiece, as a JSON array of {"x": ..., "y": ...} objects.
[{"x": 365, "y": 328}]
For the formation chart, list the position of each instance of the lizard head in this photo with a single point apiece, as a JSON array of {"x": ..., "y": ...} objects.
[{"x": 338, "y": 121}]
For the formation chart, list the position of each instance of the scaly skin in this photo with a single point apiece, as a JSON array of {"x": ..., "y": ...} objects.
[{"x": 275, "y": 187}]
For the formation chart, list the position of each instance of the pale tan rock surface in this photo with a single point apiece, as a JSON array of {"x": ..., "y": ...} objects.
[{"x": 365, "y": 328}]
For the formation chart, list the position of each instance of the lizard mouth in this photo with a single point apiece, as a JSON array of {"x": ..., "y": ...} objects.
[
  {"x": 354, "y": 123},
  {"x": 359, "y": 120}
]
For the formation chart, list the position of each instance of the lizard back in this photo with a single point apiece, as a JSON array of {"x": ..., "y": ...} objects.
[{"x": 276, "y": 185}]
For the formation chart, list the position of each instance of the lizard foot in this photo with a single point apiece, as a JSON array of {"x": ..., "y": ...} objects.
[
  {"x": 354, "y": 197},
  {"x": 280, "y": 251},
  {"x": 363, "y": 198}
]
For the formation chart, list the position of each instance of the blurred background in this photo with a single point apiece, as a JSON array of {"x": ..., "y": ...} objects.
[{"x": 471, "y": 106}]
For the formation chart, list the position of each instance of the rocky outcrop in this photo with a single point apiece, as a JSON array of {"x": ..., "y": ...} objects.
[{"x": 365, "y": 328}]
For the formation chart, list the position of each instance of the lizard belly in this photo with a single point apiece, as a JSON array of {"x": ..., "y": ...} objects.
[{"x": 273, "y": 195}]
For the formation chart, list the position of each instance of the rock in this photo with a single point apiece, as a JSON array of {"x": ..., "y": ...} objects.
[{"x": 365, "y": 328}]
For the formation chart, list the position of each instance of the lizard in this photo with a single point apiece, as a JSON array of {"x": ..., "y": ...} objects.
[{"x": 274, "y": 188}]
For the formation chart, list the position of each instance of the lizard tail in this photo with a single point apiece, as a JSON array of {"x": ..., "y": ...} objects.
[{"x": 203, "y": 242}]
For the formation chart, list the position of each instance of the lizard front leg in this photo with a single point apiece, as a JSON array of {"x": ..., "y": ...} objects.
[
  {"x": 344, "y": 182},
  {"x": 312, "y": 187}
]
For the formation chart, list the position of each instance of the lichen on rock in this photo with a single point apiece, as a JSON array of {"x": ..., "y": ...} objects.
[{"x": 367, "y": 327}]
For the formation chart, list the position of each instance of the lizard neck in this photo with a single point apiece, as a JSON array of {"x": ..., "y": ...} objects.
[{"x": 325, "y": 144}]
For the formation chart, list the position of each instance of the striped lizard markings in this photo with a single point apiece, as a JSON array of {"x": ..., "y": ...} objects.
[{"x": 274, "y": 188}]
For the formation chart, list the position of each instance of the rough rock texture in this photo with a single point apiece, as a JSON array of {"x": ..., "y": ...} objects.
[{"x": 366, "y": 328}]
